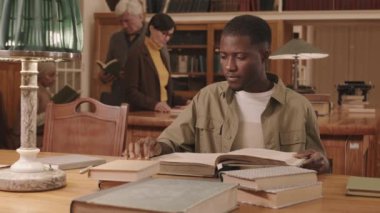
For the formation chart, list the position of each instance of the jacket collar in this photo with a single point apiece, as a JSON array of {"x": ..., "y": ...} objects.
[{"x": 278, "y": 92}]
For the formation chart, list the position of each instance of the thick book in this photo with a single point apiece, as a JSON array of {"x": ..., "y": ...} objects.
[
  {"x": 113, "y": 66},
  {"x": 160, "y": 195},
  {"x": 281, "y": 197},
  {"x": 207, "y": 164},
  {"x": 124, "y": 170},
  {"x": 270, "y": 177},
  {"x": 71, "y": 161},
  {"x": 363, "y": 186},
  {"x": 65, "y": 95},
  {"x": 106, "y": 184}
]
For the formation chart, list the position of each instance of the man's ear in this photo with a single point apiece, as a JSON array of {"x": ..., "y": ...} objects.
[{"x": 265, "y": 53}]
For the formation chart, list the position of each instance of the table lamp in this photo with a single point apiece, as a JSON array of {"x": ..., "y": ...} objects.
[
  {"x": 32, "y": 32},
  {"x": 297, "y": 49}
]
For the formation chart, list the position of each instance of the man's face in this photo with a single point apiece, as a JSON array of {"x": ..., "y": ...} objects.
[
  {"x": 242, "y": 63},
  {"x": 131, "y": 23},
  {"x": 47, "y": 79}
]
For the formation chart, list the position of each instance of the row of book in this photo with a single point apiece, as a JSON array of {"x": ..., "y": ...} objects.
[
  {"x": 182, "y": 63},
  {"x": 331, "y": 4},
  {"x": 183, "y": 6},
  {"x": 194, "y": 37},
  {"x": 356, "y": 104}
]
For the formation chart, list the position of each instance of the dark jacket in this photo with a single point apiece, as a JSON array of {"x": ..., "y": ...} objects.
[
  {"x": 142, "y": 81},
  {"x": 119, "y": 48}
]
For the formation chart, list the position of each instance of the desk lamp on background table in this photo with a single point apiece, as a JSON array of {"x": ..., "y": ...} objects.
[
  {"x": 297, "y": 49},
  {"x": 33, "y": 32}
]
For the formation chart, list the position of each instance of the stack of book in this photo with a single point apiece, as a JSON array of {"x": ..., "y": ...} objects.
[
  {"x": 356, "y": 104},
  {"x": 118, "y": 172},
  {"x": 275, "y": 187}
]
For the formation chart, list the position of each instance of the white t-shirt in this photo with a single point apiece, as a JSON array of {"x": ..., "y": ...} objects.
[{"x": 251, "y": 106}]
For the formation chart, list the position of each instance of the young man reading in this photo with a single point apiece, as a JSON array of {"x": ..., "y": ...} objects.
[{"x": 251, "y": 108}]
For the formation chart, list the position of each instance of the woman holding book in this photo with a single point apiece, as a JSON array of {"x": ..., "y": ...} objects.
[{"x": 148, "y": 72}]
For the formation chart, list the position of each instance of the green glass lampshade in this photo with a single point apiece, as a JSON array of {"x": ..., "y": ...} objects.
[{"x": 41, "y": 25}]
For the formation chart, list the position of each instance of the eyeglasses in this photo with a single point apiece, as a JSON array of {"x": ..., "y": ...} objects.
[{"x": 167, "y": 33}]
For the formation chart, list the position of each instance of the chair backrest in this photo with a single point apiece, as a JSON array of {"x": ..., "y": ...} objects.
[{"x": 100, "y": 130}]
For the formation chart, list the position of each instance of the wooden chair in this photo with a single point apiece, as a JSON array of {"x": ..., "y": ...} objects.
[{"x": 101, "y": 130}]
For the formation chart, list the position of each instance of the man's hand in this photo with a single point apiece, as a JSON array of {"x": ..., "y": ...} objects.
[
  {"x": 106, "y": 77},
  {"x": 162, "y": 107},
  {"x": 144, "y": 148},
  {"x": 314, "y": 160}
]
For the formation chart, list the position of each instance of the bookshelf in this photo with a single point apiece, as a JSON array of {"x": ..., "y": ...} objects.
[
  {"x": 195, "y": 6},
  {"x": 197, "y": 41}
]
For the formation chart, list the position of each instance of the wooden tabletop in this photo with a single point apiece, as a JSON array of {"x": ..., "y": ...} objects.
[
  {"x": 150, "y": 118},
  {"x": 337, "y": 123},
  {"x": 340, "y": 122},
  {"x": 334, "y": 199}
]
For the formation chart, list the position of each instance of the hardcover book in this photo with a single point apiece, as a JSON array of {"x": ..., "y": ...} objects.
[
  {"x": 363, "y": 186},
  {"x": 207, "y": 164},
  {"x": 270, "y": 177},
  {"x": 71, "y": 161},
  {"x": 65, "y": 95},
  {"x": 124, "y": 170},
  {"x": 281, "y": 197},
  {"x": 160, "y": 195},
  {"x": 113, "y": 66}
]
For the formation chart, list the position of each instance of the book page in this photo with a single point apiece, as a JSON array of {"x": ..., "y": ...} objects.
[
  {"x": 189, "y": 158},
  {"x": 262, "y": 157}
]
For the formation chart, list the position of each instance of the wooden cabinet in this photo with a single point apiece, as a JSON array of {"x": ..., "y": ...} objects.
[
  {"x": 196, "y": 43},
  {"x": 350, "y": 141}
]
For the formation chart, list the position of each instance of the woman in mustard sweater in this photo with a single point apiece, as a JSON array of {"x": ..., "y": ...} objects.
[{"x": 148, "y": 69}]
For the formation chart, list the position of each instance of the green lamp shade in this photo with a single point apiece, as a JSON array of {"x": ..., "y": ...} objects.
[{"x": 41, "y": 25}]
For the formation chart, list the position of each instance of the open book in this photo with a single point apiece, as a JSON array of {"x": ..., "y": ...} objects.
[
  {"x": 65, "y": 95},
  {"x": 113, "y": 66},
  {"x": 207, "y": 164}
]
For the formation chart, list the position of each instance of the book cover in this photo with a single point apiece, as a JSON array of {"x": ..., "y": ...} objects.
[
  {"x": 113, "y": 66},
  {"x": 207, "y": 164},
  {"x": 281, "y": 197},
  {"x": 270, "y": 177},
  {"x": 71, "y": 161},
  {"x": 160, "y": 195},
  {"x": 124, "y": 170},
  {"x": 363, "y": 186},
  {"x": 65, "y": 95}
]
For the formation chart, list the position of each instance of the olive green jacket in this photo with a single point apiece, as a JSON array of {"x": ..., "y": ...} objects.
[{"x": 210, "y": 123}]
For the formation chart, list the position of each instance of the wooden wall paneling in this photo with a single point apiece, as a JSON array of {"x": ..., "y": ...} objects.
[
  {"x": 330, "y": 71},
  {"x": 105, "y": 25},
  {"x": 10, "y": 81},
  {"x": 353, "y": 55},
  {"x": 281, "y": 34},
  {"x": 364, "y": 57}
]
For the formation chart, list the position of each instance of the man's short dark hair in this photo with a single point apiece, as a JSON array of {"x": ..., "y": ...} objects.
[
  {"x": 254, "y": 27},
  {"x": 161, "y": 22}
]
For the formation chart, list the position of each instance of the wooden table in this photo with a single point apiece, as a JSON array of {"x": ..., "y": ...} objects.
[
  {"x": 350, "y": 139},
  {"x": 59, "y": 200}
]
